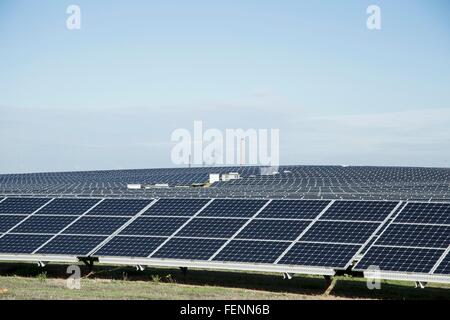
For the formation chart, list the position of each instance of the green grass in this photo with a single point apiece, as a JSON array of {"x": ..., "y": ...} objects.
[{"x": 28, "y": 281}]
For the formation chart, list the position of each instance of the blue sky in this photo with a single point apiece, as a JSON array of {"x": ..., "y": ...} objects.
[{"x": 110, "y": 95}]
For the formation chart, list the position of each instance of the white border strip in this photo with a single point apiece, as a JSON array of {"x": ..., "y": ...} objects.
[
  {"x": 422, "y": 277},
  {"x": 218, "y": 265}
]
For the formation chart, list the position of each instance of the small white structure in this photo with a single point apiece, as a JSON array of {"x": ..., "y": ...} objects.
[
  {"x": 214, "y": 177},
  {"x": 161, "y": 185},
  {"x": 230, "y": 176},
  {"x": 134, "y": 186}
]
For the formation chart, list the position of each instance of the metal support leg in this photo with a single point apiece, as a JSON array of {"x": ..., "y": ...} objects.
[
  {"x": 140, "y": 267},
  {"x": 89, "y": 263},
  {"x": 41, "y": 264},
  {"x": 330, "y": 283},
  {"x": 287, "y": 275},
  {"x": 420, "y": 284}
]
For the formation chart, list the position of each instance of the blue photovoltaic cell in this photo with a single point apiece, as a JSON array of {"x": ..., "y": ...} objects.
[
  {"x": 444, "y": 266},
  {"x": 412, "y": 235},
  {"x": 21, "y": 205},
  {"x": 176, "y": 207},
  {"x": 129, "y": 247},
  {"x": 96, "y": 225},
  {"x": 119, "y": 207},
  {"x": 433, "y": 213},
  {"x": 273, "y": 229},
  {"x": 293, "y": 209},
  {"x": 189, "y": 249},
  {"x": 68, "y": 206},
  {"x": 211, "y": 227},
  {"x": 232, "y": 208},
  {"x": 153, "y": 226},
  {"x": 359, "y": 210},
  {"x": 44, "y": 224},
  {"x": 374, "y": 238},
  {"x": 342, "y": 232},
  {"x": 251, "y": 251},
  {"x": 320, "y": 255},
  {"x": 399, "y": 259},
  {"x": 71, "y": 245},
  {"x": 7, "y": 222},
  {"x": 21, "y": 243}
]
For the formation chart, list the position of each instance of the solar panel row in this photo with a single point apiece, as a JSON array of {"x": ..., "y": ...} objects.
[{"x": 315, "y": 233}]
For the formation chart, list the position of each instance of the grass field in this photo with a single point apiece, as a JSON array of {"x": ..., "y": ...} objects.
[{"x": 28, "y": 281}]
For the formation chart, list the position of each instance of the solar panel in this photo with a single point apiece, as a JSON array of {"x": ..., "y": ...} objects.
[
  {"x": 21, "y": 205},
  {"x": 71, "y": 245},
  {"x": 190, "y": 249},
  {"x": 68, "y": 206},
  {"x": 433, "y": 213},
  {"x": 273, "y": 229},
  {"x": 412, "y": 235},
  {"x": 232, "y": 208},
  {"x": 342, "y": 232},
  {"x": 359, "y": 210},
  {"x": 121, "y": 246},
  {"x": 119, "y": 207},
  {"x": 96, "y": 225},
  {"x": 211, "y": 227},
  {"x": 251, "y": 251},
  {"x": 44, "y": 224},
  {"x": 320, "y": 255},
  {"x": 153, "y": 226},
  {"x": 399, "y": 259},
  {"x": 21, "y": 243},
  {"x": 175, "y": 207},
  {"x": 293, "y": 209},
  {"x": 444, "y": 266},
  {"x": 7, "y": 222}
]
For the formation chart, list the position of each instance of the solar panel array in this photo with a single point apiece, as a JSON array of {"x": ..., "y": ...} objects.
[
  {"x": 416, "y": 241},
  {"x": 287, "y": 182},
  {"x": 331, "y": 234}
]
